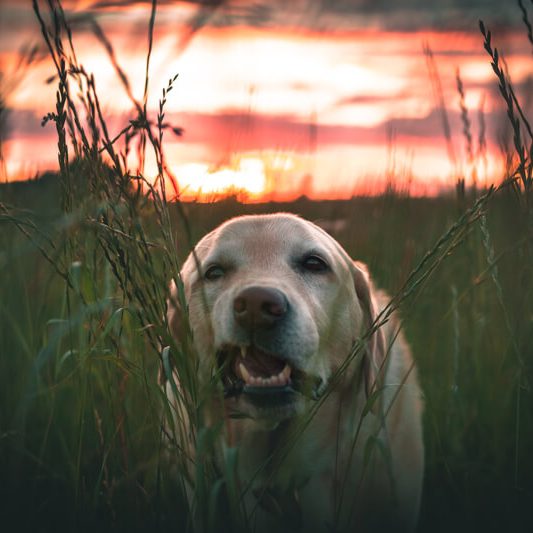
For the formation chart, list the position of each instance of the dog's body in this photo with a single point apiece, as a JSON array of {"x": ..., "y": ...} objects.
[{"x": 329, "y": 442}]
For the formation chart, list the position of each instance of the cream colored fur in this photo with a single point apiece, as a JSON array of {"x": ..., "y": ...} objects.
[{"x": 380, "y": 476}]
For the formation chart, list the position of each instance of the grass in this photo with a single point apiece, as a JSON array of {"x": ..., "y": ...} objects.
[{"x": 89, "y": 254}]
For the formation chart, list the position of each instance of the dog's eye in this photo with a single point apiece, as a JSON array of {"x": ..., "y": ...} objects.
[
  {"x": 213, "y": 273},
  {"x": 314, "y": 263}
]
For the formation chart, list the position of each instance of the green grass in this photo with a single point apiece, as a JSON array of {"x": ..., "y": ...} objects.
[
  {"x": 86, "y": 258},
  {"x": 81, "y": 407}
]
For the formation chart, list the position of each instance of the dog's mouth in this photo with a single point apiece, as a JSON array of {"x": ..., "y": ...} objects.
[{"x": 260, "y": 375}]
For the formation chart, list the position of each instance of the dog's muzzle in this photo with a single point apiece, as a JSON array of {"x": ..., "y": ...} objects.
[{"x": 248, "y": 368}]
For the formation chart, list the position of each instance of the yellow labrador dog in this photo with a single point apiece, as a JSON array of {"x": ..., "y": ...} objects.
[{"x": 329, "y": 435}]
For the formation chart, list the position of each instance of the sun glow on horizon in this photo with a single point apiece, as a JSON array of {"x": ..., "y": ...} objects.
[{"x": 247, "y": 175}]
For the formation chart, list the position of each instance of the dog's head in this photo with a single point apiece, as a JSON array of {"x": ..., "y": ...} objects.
[{"x": 277, "y": 304}]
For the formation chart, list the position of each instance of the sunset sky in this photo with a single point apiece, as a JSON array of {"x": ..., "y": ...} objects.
[{"x": 326, "y": 98}]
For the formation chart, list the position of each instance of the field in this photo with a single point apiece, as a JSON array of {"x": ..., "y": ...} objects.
[
  {"x": 81, "y": 406},
  {"x": 86, "y": 257}
]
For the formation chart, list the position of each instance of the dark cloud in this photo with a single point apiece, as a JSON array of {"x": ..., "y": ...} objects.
[
  {"x": 320, "y": 15},
  {"x": 368, "y": 99},
  {"x": 126, "y": 3},
  {"x": 21, "y": 122},
  {"x": 234, "y": 131},
  {"x": 398, "y": 15},
  {"x": 238, "y": 131},
  {"x": 15, "y": 16},
  {"x": 412, "y": 15},
  {"x": 331, "y": 15},
  {"x": 430, "y": 127},
  {"x": 203, "y": 15}
]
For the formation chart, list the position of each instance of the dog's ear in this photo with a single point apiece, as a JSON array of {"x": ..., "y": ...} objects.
[{"x": 375, "y": 347}]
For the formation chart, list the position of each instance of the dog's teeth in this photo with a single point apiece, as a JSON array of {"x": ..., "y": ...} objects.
[
  {"x": 243, "y": 351},
  {"x": 244, "y": 373},
  {"x": 285, "y": 374},
  {"x": 279, "y": 380}
]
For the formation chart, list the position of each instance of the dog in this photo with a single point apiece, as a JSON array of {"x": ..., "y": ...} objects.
[{"x": 320, "y": 393}]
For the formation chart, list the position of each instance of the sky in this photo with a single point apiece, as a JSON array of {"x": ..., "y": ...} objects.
[{"x": 327, "y": 98}]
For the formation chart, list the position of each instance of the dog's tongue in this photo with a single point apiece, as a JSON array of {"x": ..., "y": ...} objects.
[{"x": 259, "y": 363}]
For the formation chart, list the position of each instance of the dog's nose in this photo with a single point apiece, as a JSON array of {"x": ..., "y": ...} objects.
[{"x": 259, "y": 307}]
